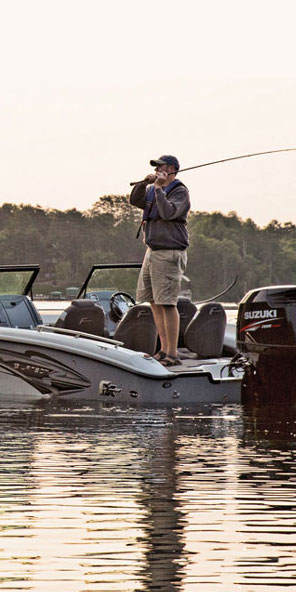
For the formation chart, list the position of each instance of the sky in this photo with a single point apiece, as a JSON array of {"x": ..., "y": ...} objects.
[{"x": 90, "y": 91}]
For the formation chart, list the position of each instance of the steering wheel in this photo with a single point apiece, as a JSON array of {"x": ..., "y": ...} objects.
[{"x": 120, "y": 303}]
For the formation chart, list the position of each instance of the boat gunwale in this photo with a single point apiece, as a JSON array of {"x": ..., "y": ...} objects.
[{"x": 21, "y": 336}]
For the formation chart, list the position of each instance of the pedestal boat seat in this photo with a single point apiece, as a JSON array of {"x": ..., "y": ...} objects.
[
  {"x": 137, "y": 329},
  {"x": 187, "y": 309},
  {"x": 204, "y": 336},
  {"x": 83, "y": 315}
]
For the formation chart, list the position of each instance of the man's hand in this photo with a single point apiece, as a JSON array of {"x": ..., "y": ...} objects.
[
  {"x": 161, "y": 179},
  {"x": 149, "y": 179}
]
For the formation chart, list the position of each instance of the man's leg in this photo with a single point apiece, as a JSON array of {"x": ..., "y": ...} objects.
[
  {"x": 167, "y": 321},
  {"x": 172, "y": 325},
  {"x": 159, "y": 319},
  {"x": 166, "y": 269}
]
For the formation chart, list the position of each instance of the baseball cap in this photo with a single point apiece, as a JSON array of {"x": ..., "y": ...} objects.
[{"x": 166, "y": 159}]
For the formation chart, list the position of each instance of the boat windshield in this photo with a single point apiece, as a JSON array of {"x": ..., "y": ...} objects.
[
  {"x": 107, "y": 281},
  {"x": 17, "y": 279}
]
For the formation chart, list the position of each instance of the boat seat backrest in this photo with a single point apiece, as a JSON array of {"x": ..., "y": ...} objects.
[
  {"x": 137, "y": 329},
  {"x": 187, "y": 310},
  {"x": 83, "y": 315},
  {"x": 205, "y": 332}
]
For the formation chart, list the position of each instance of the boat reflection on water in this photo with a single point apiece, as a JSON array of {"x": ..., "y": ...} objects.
[
  {"x": 102, "y": 498},
  {"x": 269, "y": 423}
]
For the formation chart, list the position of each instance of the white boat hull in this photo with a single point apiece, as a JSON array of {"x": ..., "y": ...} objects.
[{"x": 71, "y": 367}]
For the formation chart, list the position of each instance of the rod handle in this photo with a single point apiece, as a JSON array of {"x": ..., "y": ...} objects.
[{"x": 136, "y": 182}]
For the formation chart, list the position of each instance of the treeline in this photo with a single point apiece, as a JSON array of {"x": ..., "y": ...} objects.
[{"x": 67, "y": 243}]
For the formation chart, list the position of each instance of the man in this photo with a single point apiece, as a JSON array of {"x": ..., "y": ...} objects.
[{"x": 165, "y": 201}]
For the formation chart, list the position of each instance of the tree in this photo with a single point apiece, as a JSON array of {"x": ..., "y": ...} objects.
[{"x": 67, "y": 243}]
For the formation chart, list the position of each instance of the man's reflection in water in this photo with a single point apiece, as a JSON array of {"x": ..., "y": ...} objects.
[{"x": 164, "y": 521}]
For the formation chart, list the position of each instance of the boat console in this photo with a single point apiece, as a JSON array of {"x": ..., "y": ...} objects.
[
  {"x": 16, "y": 308},
  {"x": 18, "y": 311}
]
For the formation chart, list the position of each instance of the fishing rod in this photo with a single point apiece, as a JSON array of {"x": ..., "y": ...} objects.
[
  {"x": 227, "y": 289},
  {"x": 198, "y": 166}
]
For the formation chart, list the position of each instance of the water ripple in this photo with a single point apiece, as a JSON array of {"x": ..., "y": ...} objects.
[{"x": 106, "y": 500}]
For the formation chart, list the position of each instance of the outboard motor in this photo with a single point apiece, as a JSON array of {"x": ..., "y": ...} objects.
[{"x": 266, "y": 337}]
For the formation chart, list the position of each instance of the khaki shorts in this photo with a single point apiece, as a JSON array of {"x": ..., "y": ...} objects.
[{"x": 160, "y": 276}]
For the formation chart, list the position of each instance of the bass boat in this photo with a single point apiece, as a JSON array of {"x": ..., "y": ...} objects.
[{"x": 101, "y": 346}]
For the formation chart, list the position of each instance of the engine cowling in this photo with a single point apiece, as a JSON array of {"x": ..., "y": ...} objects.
[{"x": 266, "y": 336}]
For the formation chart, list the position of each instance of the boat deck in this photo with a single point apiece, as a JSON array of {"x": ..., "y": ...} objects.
[{"x": 191, "y": 364}]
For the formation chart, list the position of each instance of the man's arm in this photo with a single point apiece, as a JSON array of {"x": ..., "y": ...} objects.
[
  {"x": 177, "y": 206},
  {"x": 138, "y": 194}
]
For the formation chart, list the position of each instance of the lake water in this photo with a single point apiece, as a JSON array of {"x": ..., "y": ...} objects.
[{"x": 111, "y": 500}]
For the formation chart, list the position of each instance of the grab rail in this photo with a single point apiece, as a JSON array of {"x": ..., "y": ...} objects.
[{"x": 77, "y": 334}]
